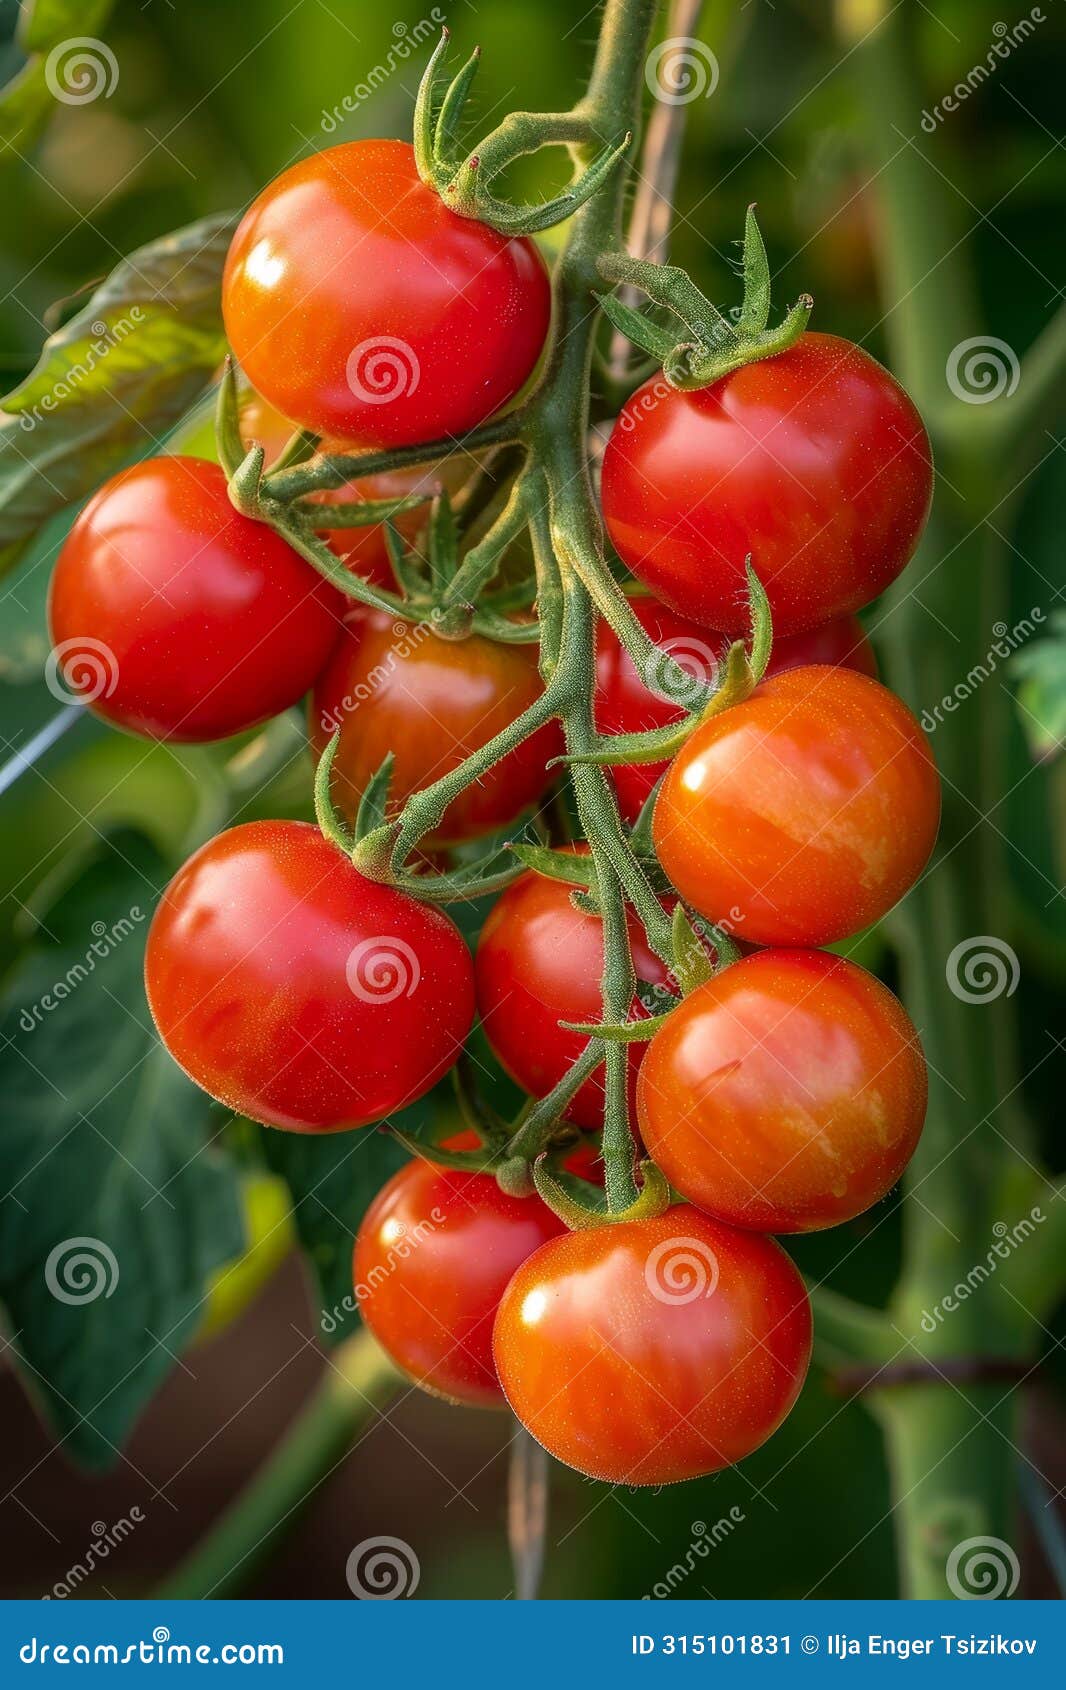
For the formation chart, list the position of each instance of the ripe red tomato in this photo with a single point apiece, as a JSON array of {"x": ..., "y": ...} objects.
[
  {"x": 624, "y": 704},
  {"x": 539, "y": 961},
  {"x": 175, "y": 616},
  {"x": 397, "y": 686},
  {"x": 299, "y": 993},
  {"x": 646, "y": 1352},
  {"x": 363, "y": 549},
  {"x": 803, "y": 814},
  {"x": 433, "y": 1257},
  {"x": 814, "y": 461},
  {"x": 359, "y": 305},
  {"x": 786, "y": 1094}
]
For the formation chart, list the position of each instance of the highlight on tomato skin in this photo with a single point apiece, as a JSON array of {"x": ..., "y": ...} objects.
[
  {"x": 628, "y": 702},
  {"x": 815, "y": 462},
  {"x": 806, "y": 812},
  {"x": 174, "y": 616},
  {"x": 786, "y": 1094},
  {"x": 358, "y": 304},
  {"x": 296, "y": 991},
  {"x": 648, "y": 1352},
  {"x": 433, "y": 1257},
  {"x": 394, "y": 686}
]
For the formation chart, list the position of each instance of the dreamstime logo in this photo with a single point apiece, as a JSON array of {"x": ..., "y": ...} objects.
[
  {"x": 694, "y": 657},
  {"x": 704, "y": 1539},
  {"x": 983, "y": 1569},
  {"x": 681, "y": 70},
  {"x": 679, "y": 1270},
  {"x": 982, "y": 968},
  {"x": 408, "y": 638},
  {"x": 981, "y": 369},
  {"x": 1006, "y": 1239},
  {"x": 1005, "y": 642},
  {"x": 105, "y": 1538},
  {"x": 382, "y": 1569},
  {"x": 105, "y": 939},
  {"x": 382, "y": 369},
  {"x": 79, "y": 1270},
  {"x": 407, "y": 39},
  {"x": 81, "y": 670},
  {"x": 1006, "y": 38},
  {"x": 106, "y": 336},
  {"x": 403, "y": 1242},
  {"x": 81, "y": 70},
  {"x": 382, "y": 969}
]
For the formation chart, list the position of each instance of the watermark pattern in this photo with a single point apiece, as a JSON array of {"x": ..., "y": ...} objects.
[
  {"x": 79, "y": 1270},
  {"x": 382, "y": 1569},
  {"x": 1007, "y": 37},
  {"x": 698, "y": 661},
  {"x": 105, "y": 1538},
  {"x": 106, "y": 336},
  {"x": 1007, "y": 1240},
  {"x": 1005, "y": 643},
  {"x": 382, "y": 369},
  {"x": 407, "y": 40},
  {"x": 105, "y": 940},
  {"x": 408, "y": 637},
  {"x": 981, "y": 369},
  {"x": 382, "y": 969},
  {"x": 704, "y": 1539},
  {"x": 681, "y": 70},
  {"x": 681, "y": 1270},
  {"x": 643, "y": 402},
  {"x": 81, "y": 670},
  {"x": 982, "y": 968},
  {"x": 80, "y": 70},
  {"x": 983, "y": 1569},
  {"x": 402, "y": 1244}
]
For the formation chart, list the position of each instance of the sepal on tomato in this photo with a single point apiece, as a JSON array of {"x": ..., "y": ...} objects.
[
  {"x": 463, "y": 179},
  {"x": 715, "y": 344},
  {"x": 579, "y": 1205}
]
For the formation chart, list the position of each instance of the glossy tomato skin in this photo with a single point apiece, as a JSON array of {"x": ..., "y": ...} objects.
[
  {"x": 786, "y": 1094},
  {"x": 359, "y": 305},
  {"x": 814, "y": 461},
  {"x": 647, "y": 1352},
  {"x": 624, "y": 703},
  {"x": 803, "y": 814},
  {"x": 539, "y": 961},
  {"x": 433, "y": 1257},
  {"x": 179, "y": 618},
  {"x": 297, "y": 992},
  {"x": 396, "y": 686},
  {"x": 363, "y": 549}
]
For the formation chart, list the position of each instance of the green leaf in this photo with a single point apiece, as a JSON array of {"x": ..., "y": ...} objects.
[
  {"x": 126, "y": 366},
  {"x": 44, "y": 23},
  {"x": 117, "y": 1208},
  {"x": 1042, "y": 693},
  {"x": 333, "y": 1178},
  {"x": 374, "y": 804},
  {"x": 81, "y": 65}
]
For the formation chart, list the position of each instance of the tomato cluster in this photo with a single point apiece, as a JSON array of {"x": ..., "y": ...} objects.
[{"x": 783, "y": 1093}]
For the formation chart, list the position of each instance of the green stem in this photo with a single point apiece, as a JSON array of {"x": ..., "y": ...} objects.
[
  {"x": 949, "y": 1448},
  {"x": 355, "y": 1387},
  {"x": 335, "y": 469}
]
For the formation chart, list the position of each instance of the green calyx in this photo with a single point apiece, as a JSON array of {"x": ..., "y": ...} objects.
[
  {"x": 714, "y": 345},
  {"x": 464, "y": 178},
  {"x": 581, "y": 1206}
]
